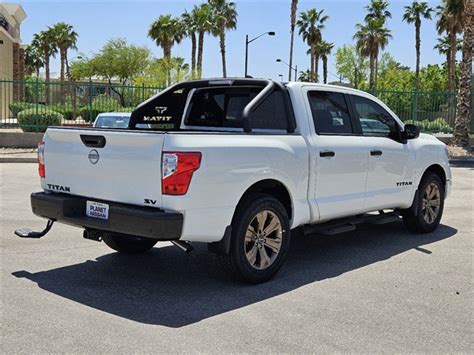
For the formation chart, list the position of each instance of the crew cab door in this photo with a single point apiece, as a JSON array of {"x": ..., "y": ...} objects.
[
  {"x": 339, "y": 156},
  {"x": 390, "y": 175}
]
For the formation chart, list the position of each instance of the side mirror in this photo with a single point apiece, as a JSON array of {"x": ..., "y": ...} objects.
[{"x": 411, "y": 132}]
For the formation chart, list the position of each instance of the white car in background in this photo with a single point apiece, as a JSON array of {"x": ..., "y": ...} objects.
[{"x": 112, "y": 120}]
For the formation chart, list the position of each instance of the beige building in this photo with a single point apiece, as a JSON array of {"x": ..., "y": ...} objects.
[{"x": 11, "y": 54}]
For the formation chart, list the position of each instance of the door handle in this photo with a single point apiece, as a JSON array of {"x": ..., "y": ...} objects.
[
  {"x": 327, "y": 154},
  {"x": 376, "y": 153},
  {"x": 93, "y": 141}
]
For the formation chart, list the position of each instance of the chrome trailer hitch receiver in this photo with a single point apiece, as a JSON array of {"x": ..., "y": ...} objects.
[{"x": 28, "y": 233}]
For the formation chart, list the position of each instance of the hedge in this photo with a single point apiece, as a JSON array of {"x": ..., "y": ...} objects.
[
  {"x": 18, "y": 106},
  {"x": 32, "y": 121}
]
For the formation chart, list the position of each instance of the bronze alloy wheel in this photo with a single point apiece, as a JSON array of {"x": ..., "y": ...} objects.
[
  {"x": 431, "y": 203},
  {"x": 263, "y": 239}
]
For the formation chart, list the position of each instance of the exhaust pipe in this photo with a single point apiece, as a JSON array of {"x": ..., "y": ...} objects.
[{"x": 184, "y": 246}]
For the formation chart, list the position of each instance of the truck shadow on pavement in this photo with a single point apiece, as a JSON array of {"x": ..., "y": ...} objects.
[{"x": 166, "y": 287}]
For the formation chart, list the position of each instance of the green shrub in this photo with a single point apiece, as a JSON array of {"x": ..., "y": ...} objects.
[
  {"x": 32, "y": 121},
  {"x": 66, "y": 109},
  {"x": 90, "y": 113},
  {"x": 438, "y": 125},
  {"x": 18, "y": 106}
]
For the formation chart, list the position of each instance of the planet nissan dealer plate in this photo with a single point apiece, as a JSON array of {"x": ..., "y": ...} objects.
[{"x": 97, "y": 210}]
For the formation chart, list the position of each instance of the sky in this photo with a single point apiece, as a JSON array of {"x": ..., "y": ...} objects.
[{"x": 96, "y": 22}]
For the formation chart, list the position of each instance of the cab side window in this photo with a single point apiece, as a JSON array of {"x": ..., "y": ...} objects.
[
  {"x": 375, "y": 121},
  {"x": 330, "y": 113}
]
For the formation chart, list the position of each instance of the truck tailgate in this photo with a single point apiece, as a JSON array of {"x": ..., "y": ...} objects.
[{"x": 126, "y": 169}]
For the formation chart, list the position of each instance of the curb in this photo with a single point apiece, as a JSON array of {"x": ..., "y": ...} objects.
[{"x": 18, "y": 160}]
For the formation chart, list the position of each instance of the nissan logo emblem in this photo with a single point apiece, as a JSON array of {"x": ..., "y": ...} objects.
[{"x": 93, "y": 156}]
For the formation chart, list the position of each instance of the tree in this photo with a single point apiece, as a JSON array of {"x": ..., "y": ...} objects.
[
  {"x": 33, "y": 60},
  {"x": 116, "y": 61},
  {"x": 443, "y": 46},
  {"x": 45, "y": 44},
  {"x": 190, "y": 29},
  {"x": 371, "y": 37},
  {"x": 450, "y": 16},
  {"x": 294, "y": 8},
  {"x": 324, "y": 50},
  {"x": 378, "y": 9},
  {"x": 464, "y": 104},
  {"x": 65, "y": 38},
  {"x": 202, "y": 15},
  {"x": 351, "y": 65},
  {"x": 166, "y": 31},
  {"x": 304, "y": 75},
  {"x": 310, "y": 24},
  {"x": 414, "y": 14},
  {"x": 225, "y": 17}
]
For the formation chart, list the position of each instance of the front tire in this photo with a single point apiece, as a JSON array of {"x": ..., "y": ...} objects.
[
  {"x": 260, "y": 239},
  {"x": 429, "y": 208},
  {"x": 128, "y": 244}
]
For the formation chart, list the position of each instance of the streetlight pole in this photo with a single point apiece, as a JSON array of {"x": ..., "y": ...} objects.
[
  {"x": 295, "y": 68},
  {"x": 247, "y": 42}
]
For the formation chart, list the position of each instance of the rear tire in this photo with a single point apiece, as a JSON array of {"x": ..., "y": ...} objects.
[
  {"x": 128, "y": 244},
  {"x": 260, "y": 239},
  {"x": 429, "y": 208}
]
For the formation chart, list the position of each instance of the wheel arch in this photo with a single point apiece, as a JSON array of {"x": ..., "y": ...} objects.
[{"x": 435, "y": 169}]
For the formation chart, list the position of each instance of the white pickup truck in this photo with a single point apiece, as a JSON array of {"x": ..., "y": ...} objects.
[{"x": 240, "y": 164}]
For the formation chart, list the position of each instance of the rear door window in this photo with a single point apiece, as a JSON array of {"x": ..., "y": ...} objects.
[
  {"x": 223, "y": 107},
  {"x": 330, "y": 113}
]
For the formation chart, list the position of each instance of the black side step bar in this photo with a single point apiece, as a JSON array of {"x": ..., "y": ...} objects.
[{"x": 349, "y": 224}]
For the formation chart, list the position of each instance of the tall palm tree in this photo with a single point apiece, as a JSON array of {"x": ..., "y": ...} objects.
[
  {"x": 450, "y": 16},
  {"x": 202, "y": 15},
  {"x": 324, "y": 50},
  {"x": 166, "y": 31},
  {"x": 310, "y": 25},
  {"x": 65, "y": 38},
  {"x": 464, "y": 104},
  {"x": 190, "y": 29},
  {"x": 371, "y": 37},
  {"x": 414, "y": 14},
  {"x": 225, "y": 17},
  {"x": 294, "y": 9},
  {"x": 378, "y": 9},
  {"x": 45, "y": 43}
]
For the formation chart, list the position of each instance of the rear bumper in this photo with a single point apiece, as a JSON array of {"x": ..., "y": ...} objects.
[{"x": 127, "y": 219}]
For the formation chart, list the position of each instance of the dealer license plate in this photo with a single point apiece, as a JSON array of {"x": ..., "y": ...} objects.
[{"x": 97, "y": 210}]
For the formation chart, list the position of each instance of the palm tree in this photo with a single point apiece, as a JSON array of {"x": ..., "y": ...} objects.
[
  {"x": 202, "y": 15},
  {"x": 45, "y": 43},
  {"x": 443, "y": 46},
  {"x": 33, "y": 60},
  {"x": 190, "y": 28},
  {"x": 324, "y": 49},
  {"x": 371, "y": 38},
  {"x": 294, "y": 8},
  {"x": 378, "y": 10},
  {"x": 65, "y": 38},
  {"x": 464, "y": 104},
  {"x": 225, "y": 17},
  {"x": 414, "y": 14},
  {"x": 304, "y": 75},
  {"x": 450, "y": 21},
  {"x": 310, "y": 24},
  {"x": 166, "y": 31}
]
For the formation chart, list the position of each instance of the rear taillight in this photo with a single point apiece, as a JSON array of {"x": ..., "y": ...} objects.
[
  {"x": 177, "y": 170},
  {"x": 41, "y": 170}
]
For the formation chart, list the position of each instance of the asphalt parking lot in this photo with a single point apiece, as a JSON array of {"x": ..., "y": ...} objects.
[{"x": 378, "y": 289}]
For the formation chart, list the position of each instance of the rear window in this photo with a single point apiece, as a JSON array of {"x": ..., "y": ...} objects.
[
  {"x": 223, "y": 107},
  {"x": 218, "y": 106}
]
